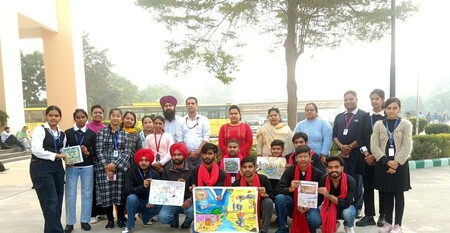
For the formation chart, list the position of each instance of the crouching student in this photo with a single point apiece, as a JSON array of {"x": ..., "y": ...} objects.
[
  {"x": 251, "y": 178},
  {"x": 178, "y": 170},
  {"x": 137, "y": 189}
]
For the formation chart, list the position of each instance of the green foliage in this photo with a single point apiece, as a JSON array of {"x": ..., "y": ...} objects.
[
  {"x": 431, "y": 146},
  {"x": 33, "y": 79},
  {"x": 152, "y": 93},
  {"x": 3, "y": 118},
  {"x": 422, "y": 123},
  {"x": 437, "y": 128}
]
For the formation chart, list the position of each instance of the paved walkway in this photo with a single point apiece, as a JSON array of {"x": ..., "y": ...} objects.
[{"x": 427, "y": 204}]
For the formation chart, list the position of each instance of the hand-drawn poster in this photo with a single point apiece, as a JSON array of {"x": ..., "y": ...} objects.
[
  {"x": 73, "y": 154},
  {"x": 307, "y": 194},
  {"x": 272, "y": 167},
  {"x": 164, "y": 192},
  {"x": 225, "y": 209},
  {"x": 231, "y": 165}
]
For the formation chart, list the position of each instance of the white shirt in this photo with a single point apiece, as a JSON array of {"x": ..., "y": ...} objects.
[
  {"x": 37, "y": 143},
  {"x": 193, "y": 131},
  {"x": 170, "y": 127}
]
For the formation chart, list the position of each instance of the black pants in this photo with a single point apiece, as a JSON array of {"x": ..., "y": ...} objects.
[
  {"x": 12, "y": 140},
  {"x": 96, "y": 209},
  {"x": 48, "y": 181},
  {"x": 369, "y": 197},
  {"x": 399, "y": 198}
]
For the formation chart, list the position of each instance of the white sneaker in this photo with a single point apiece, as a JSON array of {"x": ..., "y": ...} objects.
[
  {"x": 397, "y": 229},
  {"x": 386, "y": 228},
  {"x": 101, "y": 217},
  {"x": 155, "y": 218},
  {"x": 93, "y": 220},
  {"x": 349, "y": 229},
  {"x": 127, "y": 230}
]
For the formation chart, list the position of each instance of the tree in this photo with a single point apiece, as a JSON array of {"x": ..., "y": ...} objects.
[
  {"x": 213, "y": 26},
  {"x": 33, "y": 79},
  {"x": 152, "y": 93}
]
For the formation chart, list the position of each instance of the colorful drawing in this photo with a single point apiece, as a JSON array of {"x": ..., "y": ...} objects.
[
  {"x": 225, "y": 209},
  {"x": 164, "y": 192},
  {"x": 307, "y": 194},
  {"x": 73, "y": 154},
  {"x": 272, "y": 167},
  {"x": 231, "y": 165}
]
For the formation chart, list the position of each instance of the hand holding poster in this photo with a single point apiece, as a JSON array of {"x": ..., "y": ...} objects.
[
  {"x": 307, "y": 194},
  {"x": 73, "y": 154},
  {"x": 164, "y": 192}
]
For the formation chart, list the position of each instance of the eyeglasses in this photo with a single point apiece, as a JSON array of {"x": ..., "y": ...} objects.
[{"x": 303, "y": 157}]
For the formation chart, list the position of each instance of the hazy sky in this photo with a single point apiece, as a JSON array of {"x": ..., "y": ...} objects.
[{"x": 136, "y": 47}]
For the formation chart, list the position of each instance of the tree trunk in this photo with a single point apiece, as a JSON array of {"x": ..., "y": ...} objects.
[{"x": 291, "y": 56}]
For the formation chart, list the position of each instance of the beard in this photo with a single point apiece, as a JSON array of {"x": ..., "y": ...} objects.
[
  {"x": 169, "y": 115},
  {"x": 335, "y": 175},
  {"x": 178, "y": 161}
]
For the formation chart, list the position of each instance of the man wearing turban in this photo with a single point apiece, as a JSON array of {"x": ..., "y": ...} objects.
[
  {"x": 168, "y": 104},
  {"x": 137, "y": 189},
  {"x": 178, "y": 171}
]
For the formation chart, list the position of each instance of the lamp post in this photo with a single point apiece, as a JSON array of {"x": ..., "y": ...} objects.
[{"x": 392, "y": 73}]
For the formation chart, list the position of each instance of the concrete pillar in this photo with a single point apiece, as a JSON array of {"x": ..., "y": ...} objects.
[
  {"x": 64, "y": 65},
  {"x": 11, "y": 96}
]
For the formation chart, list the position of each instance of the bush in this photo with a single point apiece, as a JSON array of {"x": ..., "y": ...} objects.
[
  {"x": 3, "y": 118},
  {"x": 437, "y": 128},
  {"x": 422, "y": 123},
  {"x": 431, "y": 146}
]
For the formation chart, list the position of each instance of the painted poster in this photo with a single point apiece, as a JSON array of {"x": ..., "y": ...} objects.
[
  {"x": 225, "y": 209},
  {"x": 272, "y": 167},
  {"x": 307, "y": 194},
  {"x": 73, "y": 154},
  {"x": 231, "y": 165},
  {"x": 165, "y": 192}
]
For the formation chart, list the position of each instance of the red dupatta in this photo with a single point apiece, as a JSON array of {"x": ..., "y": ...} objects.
[
  {"x": 328, "y": 213},
  {"x": 228, "y": 175},
  {"x": 205, "y": 178},
  {"x": 299, "y": 220}
]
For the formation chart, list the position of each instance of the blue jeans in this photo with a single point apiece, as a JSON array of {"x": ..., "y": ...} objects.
[
  {"x": 136, "y": 205},
  {"x": 169, "y": 215},
  {"x": 86, "y": 175},
  {"x": 348, "y": 215},
  {"x": 284, "y": 205}
]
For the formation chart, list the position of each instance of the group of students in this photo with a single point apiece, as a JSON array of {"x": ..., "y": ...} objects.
[{"x": 119, "y": 163}]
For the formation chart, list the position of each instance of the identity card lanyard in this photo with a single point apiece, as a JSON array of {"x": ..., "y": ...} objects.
[
  {"x": 76, "y": 137},
  {"x": 347, "y": 123},
  {"x": 142, "y": 175},
  {"x": 116, "y": 143},
  {"x": 56, "y": 140},
  {"x": 391, "y": 138},
  {"x": 157, "y": 147}
]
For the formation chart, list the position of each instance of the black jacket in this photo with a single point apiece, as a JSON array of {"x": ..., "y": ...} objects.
[
  {"x": 134, "y": 184},
  {"x": 288, "y": 177}
]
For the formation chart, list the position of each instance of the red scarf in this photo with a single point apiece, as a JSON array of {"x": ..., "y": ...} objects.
[
  {"x": 328, "y": 213},
  {"x": 205, "y": 178},
  {"x": 255, "y": 183},
  {"x": 228, "y": 175},
  {"x": 299, "y": 220},
  {"x": 292, "y": 157}
]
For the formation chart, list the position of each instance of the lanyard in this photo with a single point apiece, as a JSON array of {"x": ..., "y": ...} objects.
[
  {"x": 371, "y": 121},
  {"x": 347, "y": 122},
  {"x": 196, "y": 123},
  {"x": 142, "y": 175},
  {"x": 56, "y": 140},
  {"x": 391, "y": 135},
  {"x": 116, "y": 140},
  {"x": 157, "y": 144},
  {"x": 76, "y": 137}
]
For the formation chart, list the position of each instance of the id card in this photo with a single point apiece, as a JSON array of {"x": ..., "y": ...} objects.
[
  {"x": 391, "y": 151},
  {"x": 113, "y": 179},
  {"x": 116, "y": 153},
  {"x": 345, "y": 132}
]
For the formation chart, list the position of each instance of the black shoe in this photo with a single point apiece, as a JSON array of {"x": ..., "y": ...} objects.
[
  {"x": 381, "y": 221},
  {"x": 174, "y": 226},
  {"x": 183, "y": 226},
  {"x": 68, "y": 229},
  {"x": 366, "y": 221},
  {"x": 110, "y": 224},
  {"x": 85, "y": 226},
  {"x": 358, "y": 214},
  {"x": 121, "y": 223}
]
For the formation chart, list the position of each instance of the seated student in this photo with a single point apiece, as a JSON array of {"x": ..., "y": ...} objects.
[
  {"x": 316, "y": 160},
  {"x": 286, "y": 194},
  {"x": 178, "y": 170},
  {"x": 232, "y": 152},
  {"x": 337, "y": 191},
  {"x": 251, "y": 178},
  {"x": 137, "y": 189},
  {"x": 24, "y": 138},
  {"x": 276, "y": 150},
  {"x": 9, "y": 139}
]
